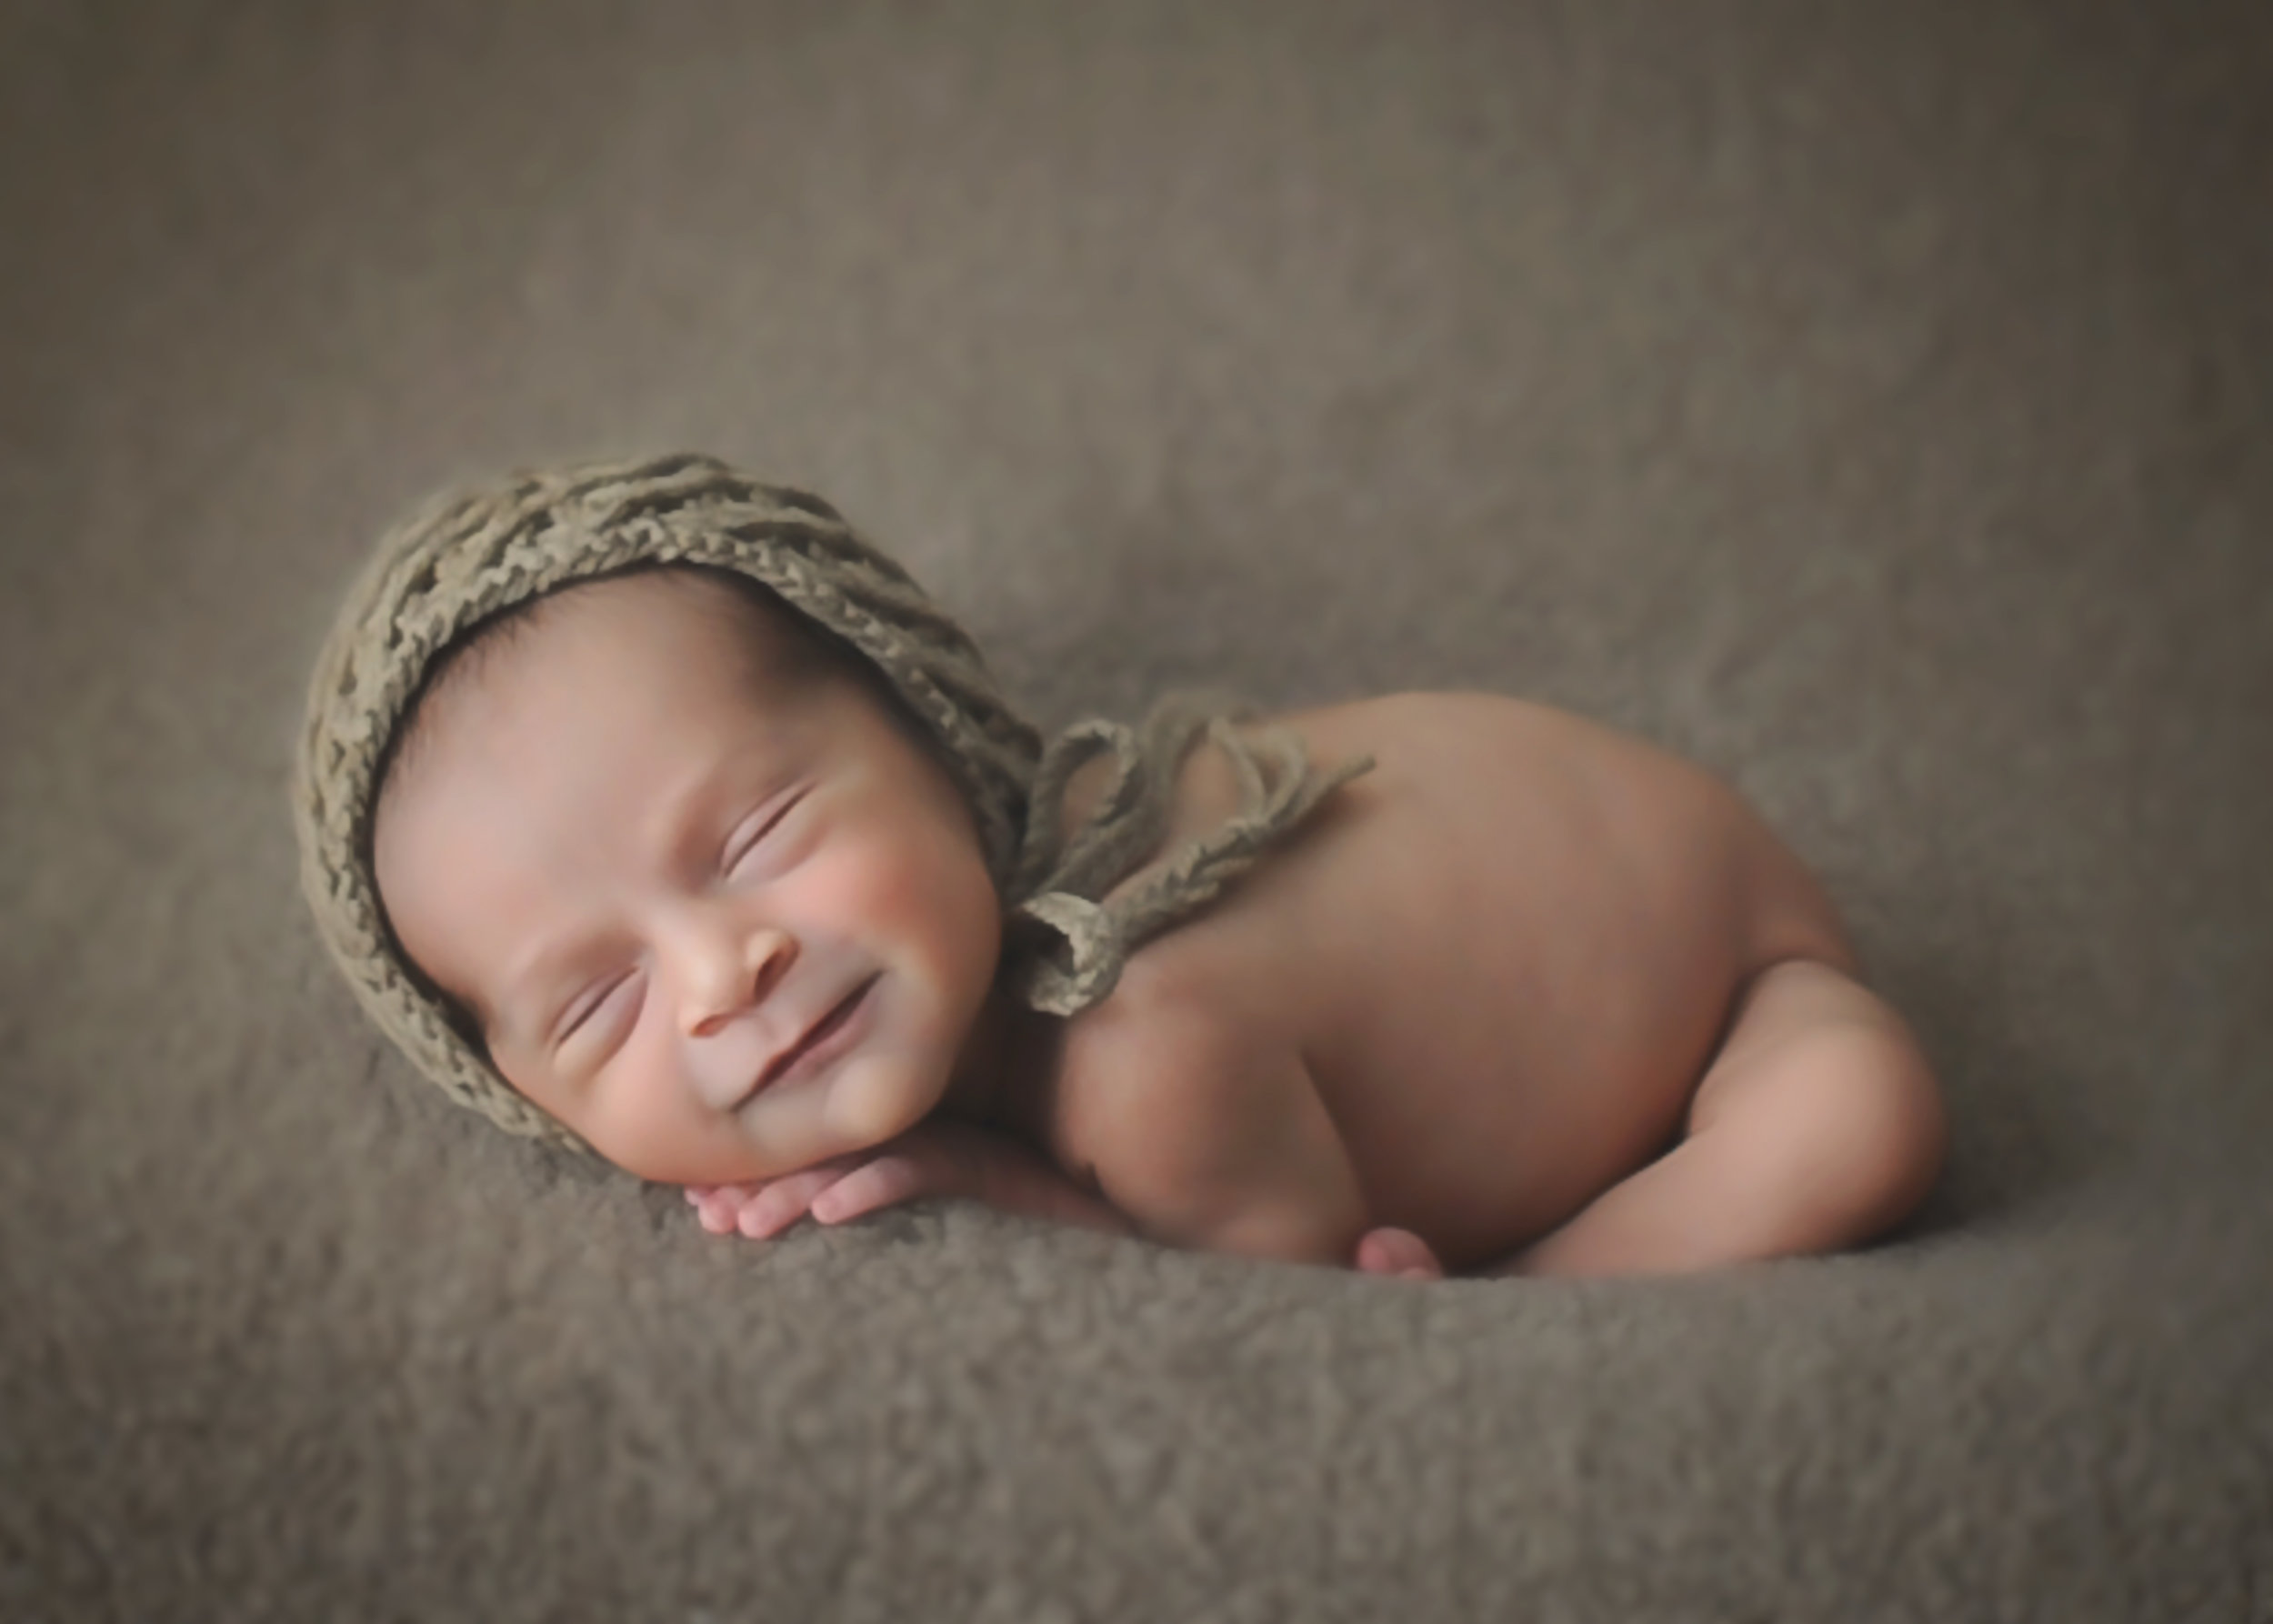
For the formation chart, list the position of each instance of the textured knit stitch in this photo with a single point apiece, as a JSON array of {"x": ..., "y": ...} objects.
[{"x": 472, "y": 556}]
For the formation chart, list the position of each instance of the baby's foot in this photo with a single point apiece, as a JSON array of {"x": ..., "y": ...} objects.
[{"x": 1400, "y": 1252}]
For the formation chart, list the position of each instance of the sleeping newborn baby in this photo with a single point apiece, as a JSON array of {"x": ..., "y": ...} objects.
[{"x": 656, "y": 813}]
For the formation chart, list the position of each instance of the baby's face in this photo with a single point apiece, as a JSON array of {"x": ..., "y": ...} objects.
[{"x": 724, "y": 923}]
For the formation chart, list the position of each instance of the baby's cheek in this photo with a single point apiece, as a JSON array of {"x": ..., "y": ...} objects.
[
  {"x": 871, "y": 1103},
  {"x": 648, "y": 1126},
  {"x": 920, "y": 899}
]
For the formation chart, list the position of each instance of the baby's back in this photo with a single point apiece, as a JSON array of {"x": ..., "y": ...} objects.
[{"x": 1505, "y": 955}]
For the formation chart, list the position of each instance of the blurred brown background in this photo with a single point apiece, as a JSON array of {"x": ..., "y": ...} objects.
[{"x": 1875, "y": 401}]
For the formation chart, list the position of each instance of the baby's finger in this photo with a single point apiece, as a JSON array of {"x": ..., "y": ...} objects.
[
  {"x": 729, "y": 1197},
  {"x": 884, "y": 1182},
  {"x": 719, "y": 1206},
  {"x": 716, "y": 1213},
  {"x": 784, "y": 1201}
]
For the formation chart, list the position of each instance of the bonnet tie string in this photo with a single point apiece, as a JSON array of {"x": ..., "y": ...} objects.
[{"x": 1068, "y": 943}]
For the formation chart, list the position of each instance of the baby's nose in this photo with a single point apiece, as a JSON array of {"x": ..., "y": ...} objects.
[{"x": 729, "y": 973}]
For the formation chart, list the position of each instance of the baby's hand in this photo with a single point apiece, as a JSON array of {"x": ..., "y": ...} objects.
[
  {"x": 1400, "y": 1252},
  {"x": 842, "y": 1188},
  {"x": 764, "y": 1210},
  {"x": 932, "y": 1158}
]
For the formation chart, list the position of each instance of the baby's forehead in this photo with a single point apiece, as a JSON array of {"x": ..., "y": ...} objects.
[{"x": 659, "y": 635}]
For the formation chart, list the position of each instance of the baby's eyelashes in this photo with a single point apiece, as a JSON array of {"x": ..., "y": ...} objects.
[
  {"x": 756, "y": 839},
  {"x": 583, "y": 1016},
  {"x": 578, "y": 1010}
]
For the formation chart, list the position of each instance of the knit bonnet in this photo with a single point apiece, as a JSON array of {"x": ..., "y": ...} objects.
[{"x": 477, "y": 553}]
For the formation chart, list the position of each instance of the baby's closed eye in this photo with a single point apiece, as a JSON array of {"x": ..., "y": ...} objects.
[
  {"x": 758, "y": 845},
  {"x": 594, "y": 1012}
]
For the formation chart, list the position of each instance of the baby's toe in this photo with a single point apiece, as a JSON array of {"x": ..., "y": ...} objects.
[{"x": 1401, "y": 1252}]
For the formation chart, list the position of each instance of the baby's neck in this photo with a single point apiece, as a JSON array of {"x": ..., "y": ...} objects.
[{"x": 1007, "y": 1072}]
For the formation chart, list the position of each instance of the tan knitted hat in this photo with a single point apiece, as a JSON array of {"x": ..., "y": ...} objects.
[{"x": 474, "y": 553}]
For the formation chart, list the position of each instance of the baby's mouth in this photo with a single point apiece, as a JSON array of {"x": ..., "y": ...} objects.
[{"x": 816, "y": 1037}]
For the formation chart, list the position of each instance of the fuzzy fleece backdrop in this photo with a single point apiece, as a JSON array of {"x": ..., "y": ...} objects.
[{"x": 1874, "y": 402}]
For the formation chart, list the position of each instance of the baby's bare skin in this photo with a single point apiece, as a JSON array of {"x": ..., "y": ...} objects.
[
  {"x": 1530, "y": 994},
  {"x": 1499, "y": 975}
]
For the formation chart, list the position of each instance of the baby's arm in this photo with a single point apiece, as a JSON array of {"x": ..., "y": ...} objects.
[
  {"x": 938, "y": 1156},
  {"x": 1201, "y": 1136},
  {"x": 1214, "y": 1138}
]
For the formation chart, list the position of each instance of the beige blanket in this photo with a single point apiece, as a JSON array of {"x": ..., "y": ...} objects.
[{"x": 1869, "y": 401}]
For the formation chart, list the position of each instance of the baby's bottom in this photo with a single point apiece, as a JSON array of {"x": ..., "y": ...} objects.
[{"x": 1816, "y": 1127}]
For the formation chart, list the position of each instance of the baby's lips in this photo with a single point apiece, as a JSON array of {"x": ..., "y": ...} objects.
[
  {"x": 724, "y": 1066},
  {"x": 825, "y": 1025},
  {"x": 734, "y": 1066}
]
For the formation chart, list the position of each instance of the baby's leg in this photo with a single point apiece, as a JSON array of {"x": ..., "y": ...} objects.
[{"x": 1817, "y": 1126}]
